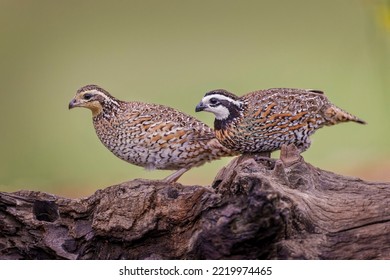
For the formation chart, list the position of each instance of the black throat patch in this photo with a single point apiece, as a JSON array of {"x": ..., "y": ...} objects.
[{"x": 234, "y": 114}]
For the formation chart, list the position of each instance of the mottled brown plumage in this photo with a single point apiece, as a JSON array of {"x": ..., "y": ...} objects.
[
  {"x": 264, "y": 120},
  {"x": 150, "y": 135}
]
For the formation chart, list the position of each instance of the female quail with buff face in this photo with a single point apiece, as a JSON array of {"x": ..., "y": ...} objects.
[
  {"x": 264, "y": 120},
  {"x": 150, "y": 135}
]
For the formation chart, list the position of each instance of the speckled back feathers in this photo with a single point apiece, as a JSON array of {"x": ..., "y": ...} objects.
[
  {"x": 150, "y": 135},
  {"x": 267, "y": 119}
]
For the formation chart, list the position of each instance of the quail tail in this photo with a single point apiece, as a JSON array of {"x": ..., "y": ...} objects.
[{"x": 336, "y": 115}]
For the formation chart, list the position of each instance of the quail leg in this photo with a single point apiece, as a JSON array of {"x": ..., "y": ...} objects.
[
  {"x": 175, "y": 176},
  {"x": 290, "y": 154}
]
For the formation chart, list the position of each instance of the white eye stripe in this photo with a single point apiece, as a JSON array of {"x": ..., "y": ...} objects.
[
  {"x": 207, "y": 98},
  {"x": 101, "y": 94},
  {"x": 105, "y": 96}
]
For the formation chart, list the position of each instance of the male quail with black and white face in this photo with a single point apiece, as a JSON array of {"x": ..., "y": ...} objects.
[
  {"x": 150, "y": 135},
  {"x": 264, "y": 120}
]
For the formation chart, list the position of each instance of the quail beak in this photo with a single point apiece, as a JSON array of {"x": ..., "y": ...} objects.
[
  {"x": 74, "y": 103},
  {"x": 200, "y": 107}
]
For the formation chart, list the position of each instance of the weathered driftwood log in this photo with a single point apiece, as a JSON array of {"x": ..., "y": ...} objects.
[{"x": 257, "y": 209}]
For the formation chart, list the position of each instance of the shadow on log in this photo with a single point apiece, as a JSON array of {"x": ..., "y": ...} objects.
[{"x": 258, "y": 208}]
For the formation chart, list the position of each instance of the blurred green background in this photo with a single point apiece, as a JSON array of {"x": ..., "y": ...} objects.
[{"x": 172, "y": 52}]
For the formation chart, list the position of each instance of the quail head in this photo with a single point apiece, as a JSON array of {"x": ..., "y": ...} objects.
[
  {"x": 150, "y": 135},
  {"x": 262, "y": 121}
]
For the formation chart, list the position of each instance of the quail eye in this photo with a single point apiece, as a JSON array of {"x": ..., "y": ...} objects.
[
  {"x": 87, "y": 96},
  {"x": 213, "y": 101}
]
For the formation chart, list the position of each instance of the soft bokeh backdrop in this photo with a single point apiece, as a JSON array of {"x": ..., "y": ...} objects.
[{"x": 172, "y": 52}]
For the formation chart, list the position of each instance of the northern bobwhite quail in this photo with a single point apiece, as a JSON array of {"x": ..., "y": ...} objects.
[
  {"x": 262, "y": 121},
  {"x": 150, "y": 135}
]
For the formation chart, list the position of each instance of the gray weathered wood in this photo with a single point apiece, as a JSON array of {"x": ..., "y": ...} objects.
[{"x": 258, "y": 209}]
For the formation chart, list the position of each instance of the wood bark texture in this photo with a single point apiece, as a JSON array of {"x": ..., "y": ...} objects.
[{"x": 256, "y": 208}]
